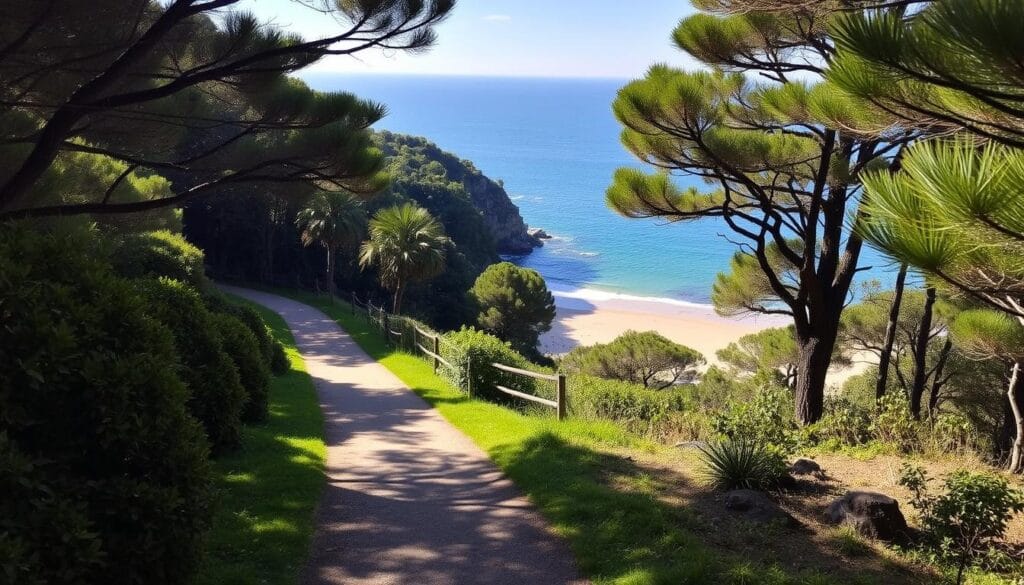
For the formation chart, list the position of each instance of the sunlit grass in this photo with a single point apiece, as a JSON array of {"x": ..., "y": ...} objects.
[{"x": 269, "y": 490}]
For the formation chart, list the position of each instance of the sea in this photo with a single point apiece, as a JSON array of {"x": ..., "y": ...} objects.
[{"x": 554, "y": 143}]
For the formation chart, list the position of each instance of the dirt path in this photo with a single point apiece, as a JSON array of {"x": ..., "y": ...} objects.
[{"x": 409, "y": 500}]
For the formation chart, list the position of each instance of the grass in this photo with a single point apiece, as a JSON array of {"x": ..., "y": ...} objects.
[
  {"x": 583, "y": 477},
  {"x": 269, "y": 490}
]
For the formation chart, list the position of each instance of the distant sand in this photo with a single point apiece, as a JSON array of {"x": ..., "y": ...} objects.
[{"x": 586, "y": 317}]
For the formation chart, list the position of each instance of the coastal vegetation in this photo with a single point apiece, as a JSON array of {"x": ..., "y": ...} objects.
[{"x": 156, "y": 430}]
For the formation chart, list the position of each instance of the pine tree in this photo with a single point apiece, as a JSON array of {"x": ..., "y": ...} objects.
[
  {"x": 194, "y": 90},
  {"x": 779, "y": 156}
]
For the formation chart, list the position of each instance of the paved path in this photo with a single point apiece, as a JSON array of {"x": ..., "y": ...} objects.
[{"x": 409, "y": 500}]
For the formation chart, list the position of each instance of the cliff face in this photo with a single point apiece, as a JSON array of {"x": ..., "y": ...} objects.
[{"x": 415, "y": 159}]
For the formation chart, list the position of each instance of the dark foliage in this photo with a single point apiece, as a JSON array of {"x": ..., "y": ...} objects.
[
  {"x": 103, "y": 473},
  {"x": 254, "y": 372}
]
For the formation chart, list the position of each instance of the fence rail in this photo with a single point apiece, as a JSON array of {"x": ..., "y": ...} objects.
[{"x": 385, "y": 321}]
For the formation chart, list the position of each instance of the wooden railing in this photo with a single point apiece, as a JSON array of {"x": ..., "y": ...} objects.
[{"x": 429, "y": 344}]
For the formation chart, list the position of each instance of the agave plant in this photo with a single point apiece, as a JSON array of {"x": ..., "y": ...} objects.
[{"x": 732, "y": 465}]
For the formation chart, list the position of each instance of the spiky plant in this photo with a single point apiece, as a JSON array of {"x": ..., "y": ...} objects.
[
  {"x": 406, "y": 245},
  {"x": 732, "y": 465}
]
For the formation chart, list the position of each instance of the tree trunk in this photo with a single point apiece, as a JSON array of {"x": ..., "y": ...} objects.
[
  {"x": 815, "y": 357},
  {"x": 1015, "y": 396},
  {"x": 924, "y": 333},
  {"x": 330, "y": 272},
  {"x": 397, "y": 307},
  {"x": 937, "y": 383},
  {"x": 890, "y": 334}
]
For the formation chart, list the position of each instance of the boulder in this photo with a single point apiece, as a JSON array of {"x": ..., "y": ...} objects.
[
  {"x": 538, "y": 233},
  {"x": 805, "y": 467},
  {"x": 871, "y": 514},
  {"x": 756, "y": 507}
]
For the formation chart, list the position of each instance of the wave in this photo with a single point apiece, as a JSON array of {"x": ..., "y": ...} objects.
[{"x": 580, "y": 297}]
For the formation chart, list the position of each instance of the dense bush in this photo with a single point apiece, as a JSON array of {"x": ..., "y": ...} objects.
[
  {"x": 514, "y": 304},
  {"x": 472, "y": 352},
  {"x": 640, "y": 410},
  {"x": 244, "y": 349},
  {"x": 893, "y": 424},
  {"x": 159, "y": 253},
  {"x": 767, "y": 421},
  {"x": 271, "y": 349},
  {"x": 963, "y": 523},
  {"x": 741, "y": 464},
  {"x": 216, "y": 395},
  {"x": 104, "y": 473},
  {"x": 844, "y": 423},
  {"x": 645, "y": 358}
]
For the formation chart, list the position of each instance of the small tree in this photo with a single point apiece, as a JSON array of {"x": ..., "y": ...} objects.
[
  {"x": 770, "y": 350},
  {"x": 965, "y": 521},
  {"x": 514, "y": 304},
  {"x": 335, "y": 221},
  {"x": 640, "y": 357},
  {"x": 406, "y": 245}
]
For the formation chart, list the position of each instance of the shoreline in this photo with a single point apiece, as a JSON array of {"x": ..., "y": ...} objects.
[{"x": 588, "y": 316}]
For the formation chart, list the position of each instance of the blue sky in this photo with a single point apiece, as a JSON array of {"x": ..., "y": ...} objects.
[{"x": 534, "y": 38}]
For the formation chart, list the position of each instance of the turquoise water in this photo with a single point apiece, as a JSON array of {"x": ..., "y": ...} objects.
[{"x": 555, "y": 144}]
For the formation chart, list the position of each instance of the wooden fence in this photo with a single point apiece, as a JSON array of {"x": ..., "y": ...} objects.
[{"x": 429, "y": 344}]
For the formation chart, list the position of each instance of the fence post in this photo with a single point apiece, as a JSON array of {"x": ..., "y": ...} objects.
[
  {"x": 469, "y": 375},
  {"x": 437, "y": 352},
  {"x": 387, "y": 328},
  {"x": 561, "y": 397}
]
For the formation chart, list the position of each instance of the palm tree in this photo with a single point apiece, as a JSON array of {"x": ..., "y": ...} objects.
[
  {"x": 406, "y": 245},
  {"x": 334, "y": 220}
]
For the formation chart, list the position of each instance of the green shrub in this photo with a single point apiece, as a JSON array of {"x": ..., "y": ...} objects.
[
  {"x": 766, "y": 420},
  {"x": 514, "y": 304},
  {"x": 216, "y": 395},
  {"x": 104, "y": 474},
  {"x": 159, "y": 253},
  {"x": 646, "y": 358},
  {"x": 731, "y": 465},
  {"x": 893, "y": 424},
  {"x": 271, "y": 350},
  {"x": 472, "y": 352},
  {"x": 244, "y": 349},
  {"x": 952, "y": 433},
  {"x": 843, "y": 423},
  {"x": 964, "y": 523},
  {"x": 639, "y": 409}
]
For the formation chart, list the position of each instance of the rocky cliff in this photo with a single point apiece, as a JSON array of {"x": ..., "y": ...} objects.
[{"x": 415, "y": 159}]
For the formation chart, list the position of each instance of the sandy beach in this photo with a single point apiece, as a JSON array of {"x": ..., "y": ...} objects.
[{"x": 586, "y": 317}]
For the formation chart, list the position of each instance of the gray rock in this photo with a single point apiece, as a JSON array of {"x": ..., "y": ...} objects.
[
  {"x": 538, "y": 233},
  {"x": 871, "y": 514},
  {"x": 804, "y": 467},
  {"x": 756, "y": 507}
]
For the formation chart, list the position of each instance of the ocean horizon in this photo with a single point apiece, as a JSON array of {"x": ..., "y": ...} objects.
[{"x": 554, "y": 144}]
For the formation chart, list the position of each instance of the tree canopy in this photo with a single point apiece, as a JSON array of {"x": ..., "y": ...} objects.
[
  {"x": 192, "y": 90},
  {"x": 646, "y": 358},
  {"x": 514, "y": 304}
]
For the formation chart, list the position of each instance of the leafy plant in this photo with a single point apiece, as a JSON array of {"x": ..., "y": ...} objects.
[
  {"x": 645, "y": 358},
  {"x": 765, "y": 420},
  {"x": 962, "y": 523},
  {"x": 730, "y": 465},
  {"x": 844, "y": 422},
  {"x": 472, "y": 352},
  {"x": 253, "y": 371},
  {"x": 894, "y": 424},
  {"x": 159, "y": 253}
]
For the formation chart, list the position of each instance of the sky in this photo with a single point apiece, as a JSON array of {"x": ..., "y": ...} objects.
[{"x": 519, "y": 38}]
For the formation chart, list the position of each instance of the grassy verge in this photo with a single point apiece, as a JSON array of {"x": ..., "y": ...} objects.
[
  {"x": 585, "y": 478},
  {"x": 270, "y": 488}
]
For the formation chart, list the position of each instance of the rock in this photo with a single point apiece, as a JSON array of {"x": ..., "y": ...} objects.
[
  {"x": 804, "y": 467},
  {"x": 871, "y": 514},
  {"x": 538, "y": 233},
  {"x": 757, "y": 507}
]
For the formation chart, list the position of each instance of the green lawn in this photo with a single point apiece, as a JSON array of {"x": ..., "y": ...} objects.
[
  {"x": 579, "y": 474},
  {"x": 269, "y": 490}
]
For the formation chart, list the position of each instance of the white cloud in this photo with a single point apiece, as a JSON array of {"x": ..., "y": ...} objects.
[{"x": 498, "y": 17}]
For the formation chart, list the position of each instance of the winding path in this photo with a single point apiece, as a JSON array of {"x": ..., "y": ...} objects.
[{"x": 409, "y": 499}]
